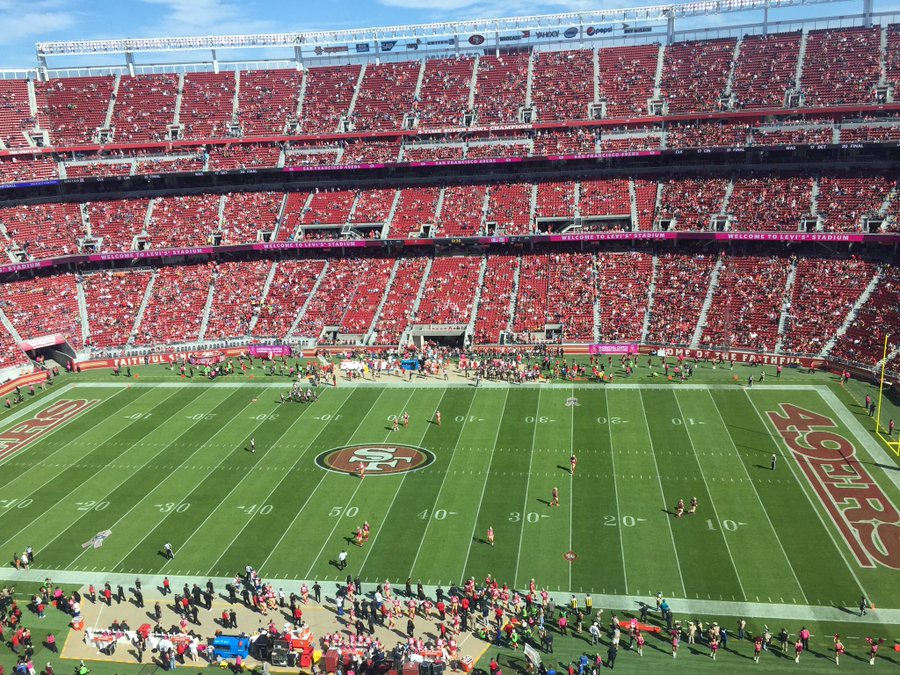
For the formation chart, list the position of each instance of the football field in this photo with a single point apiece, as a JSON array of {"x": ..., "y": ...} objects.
[{"x": 105, "y": 473}]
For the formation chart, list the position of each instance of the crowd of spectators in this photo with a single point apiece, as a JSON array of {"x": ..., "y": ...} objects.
[
  {"x": 237, "y": 297},
  {"x": 73, "y": 108},
  {"x": 824, "y": 291},
  {"x": 397, "y": 308},
  {"x": 495, "y": 303},
  {"x": 769, "y": 203},
  {"x": 385, "y": 95},
  {"x": 746, "y": 305},
  {"x": 444, "y": 94},
  {"x": 626, "y": 78},
  {"x": 765, "y": 70},
  {"x": 682, "y": 282},
  {"x": 145, "y": 107},
  {"x": 175, "y": 308},
  {"x": 692, "y": 201},
  {"x": 267, "y": 99},
  {"x": 623, "y": 284},
  {"x": 291, "y": 285},
  {"x": 449, "y": 290},
  {"x": 695, "y": 74},
  {"x": 462, "y": 210},
  {"x": 500, "y": 88},
  {"x": 841, "y": 66},
  {"x": 562, "y": 84},
  {"x": 112, "y": 299}
]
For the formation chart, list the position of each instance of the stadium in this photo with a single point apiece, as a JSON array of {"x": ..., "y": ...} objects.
[{"x": 539, "y": 343}]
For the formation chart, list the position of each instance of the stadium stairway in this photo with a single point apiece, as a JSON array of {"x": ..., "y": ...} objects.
[
  {"x": 801, "y": 57},
  {"x": 851, "y": 315},
  {"x": 785, "y": 306},
  {"x": 312, "y": 294},
  {"x": 204, "y": 321},
  {"x": 265, "y": 293},
  {"x": 648, "y": 313},
  {"x": 82, "y": 310},
  {"x": 370, "y": 333},
  {"x": 473, "y": 84},
  {"x": 707, "y": 303},
  {"x": 356, "y": 89},
  {"x": 514, "y": 294},
  {"x": 143, "y": 308},
  {"x": 632, "y": 200},
  {"x": 176, "y": 119},
  {"x": 476, "y": 300},
  {"x": 729, "y": 82},
  {"x": 4, "y": 320},
  {"x": 107, "y": 123},
  {"x": 404, "y": 337}
]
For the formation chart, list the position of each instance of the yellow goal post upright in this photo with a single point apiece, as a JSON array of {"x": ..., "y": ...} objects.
[{"x": 889, "y": 441}]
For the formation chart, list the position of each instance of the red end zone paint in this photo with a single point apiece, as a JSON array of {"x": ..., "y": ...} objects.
[
  {"x": 865, "y": 516},
  {"x": 379, "y": 459},
  {"x": 24, "y": 433}
]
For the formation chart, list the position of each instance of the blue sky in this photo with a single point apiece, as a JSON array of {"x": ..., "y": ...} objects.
[{"x": 25, "y": 23}]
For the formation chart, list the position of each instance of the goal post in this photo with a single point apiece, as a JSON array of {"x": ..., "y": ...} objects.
[{"x": 893, "y": 442}]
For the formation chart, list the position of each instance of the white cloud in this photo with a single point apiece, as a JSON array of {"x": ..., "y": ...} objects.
[
  {"x": 32, "y": 23},
  {"x": 206, "y": 17}
]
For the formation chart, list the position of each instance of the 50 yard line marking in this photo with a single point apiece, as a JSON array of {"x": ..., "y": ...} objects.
[
  {"x": 487, "y": 475},
  {"x": 403, "y": 480},
  {"x": 612, "y": 455},
  {"x": 758, "y": 498},
  {"x": 359, "y": 481},
  {"x": 537, "y": 412},
  {"x": 443, "y": 483},
  {"x": 661, "y": 492},
  {"x": 287, "y": 473},
  {"x": 737, "y": 574}
]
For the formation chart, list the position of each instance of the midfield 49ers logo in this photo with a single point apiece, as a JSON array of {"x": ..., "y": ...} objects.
[
  {"x": 376, "y": 459},
  {"x": 864, "y": 514}
]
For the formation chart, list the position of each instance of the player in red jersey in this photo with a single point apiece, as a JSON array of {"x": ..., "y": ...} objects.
[
  {"x": 490, "y": 535},
  {"x": 573, "y": 461},
  {"x": 554, "y": 499},
  {"x": 437, "y": 418},
  {"x": 405, "y": 419},
  {"x": 362, "y": 470},
  {"x": 838, "y": 649},
  {"x": 359, "y": 536},
  {"x": 396, "y": 426},
  {"x": 679, "y": 508},
  {"x": 366, "y": 529},
  {"x": 693, "y": 508}
]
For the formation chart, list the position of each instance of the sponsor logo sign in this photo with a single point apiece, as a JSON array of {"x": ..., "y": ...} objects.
[
  {"x": 387, "y": 45},
  {"x": 867, "y": 520},
  {"x": 592, "y": 30},
  {"x": 626, "y": 348},
  {"x": 570, "y": 32},
  {"x": 362, "y": 47},
  {"x": 377, "y": 459},
  {"x": 339, "y": 49},
  {"x": 476, "y": 40},
  {"x": 25, "y": 433}
]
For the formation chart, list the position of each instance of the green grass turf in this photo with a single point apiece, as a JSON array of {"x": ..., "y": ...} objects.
[{"x": 171, "y": 463}]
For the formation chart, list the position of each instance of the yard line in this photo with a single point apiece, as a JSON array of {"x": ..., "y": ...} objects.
[
  {"x": 527, "y": 485},
  {"x": 441, "y": 488},
  {"x": 661, "y": 492},
  {"x": 788, "y": 460},
  {"x": 242, "y": 479},
  {"x": 73, "y": 489},
  {"x": 756, "y": 492},
  {"x": 358, "y": 482},
  {"x": 283, "y": 478},
  {"x": 737, "y": 574},
  {"x": 403, "y": 480},
  {"x": 612, "y": 454},
  {"x": 487, "y": 475},
  {"x": 161, "y": 482},
  {"x": 572, "y": 479},
  {"x": 119, "y": 483}
]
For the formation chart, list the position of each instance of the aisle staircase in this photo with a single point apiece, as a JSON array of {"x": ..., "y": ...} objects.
[
  {"x": 851, "y": 315},
  {"x": 143, "y": 308},
  {"x": 786, "y": 306},
  {"x": 651, "y": 290},
  {"x": 707, "y": 303}
]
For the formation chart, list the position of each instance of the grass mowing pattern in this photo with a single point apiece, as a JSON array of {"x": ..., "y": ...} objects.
[{"x": 157, "y": 464}]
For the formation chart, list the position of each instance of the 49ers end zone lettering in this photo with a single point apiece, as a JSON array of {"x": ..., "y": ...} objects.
[
  {"x": 24, "y": 433},
  {"x": 865, "y": 516},
  {"x": 377, "y": 459}
]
